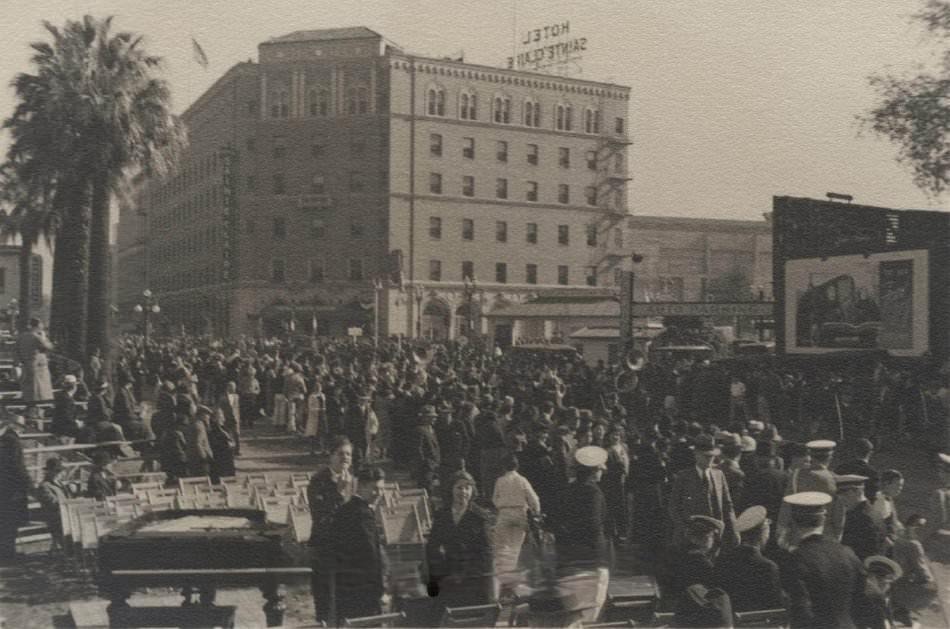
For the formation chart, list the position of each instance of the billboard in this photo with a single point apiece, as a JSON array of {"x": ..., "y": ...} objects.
[{"x": 863, "y": 301}]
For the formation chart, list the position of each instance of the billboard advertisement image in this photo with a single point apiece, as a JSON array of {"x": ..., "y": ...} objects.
[{"x": 875, "y": 301}]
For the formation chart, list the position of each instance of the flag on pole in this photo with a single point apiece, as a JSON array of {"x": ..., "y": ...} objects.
[
  {"x": 313, "y": 322},
  {"x": 199, "y": 53}
]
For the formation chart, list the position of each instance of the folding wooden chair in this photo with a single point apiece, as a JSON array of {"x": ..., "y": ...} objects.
[
  {"x": 376, "y": 622},
  {"x": 162, "y": 494},
  {"x": 300, "y": 524},
  {"x": 275, "y": 507},
  {"x": 186, "y": 502},
  {"x": 300, "y": 477},
  {"x": 231, "y": 481},
  {"x": 144, "y": 488},
  {"x": 189, "y": 485},
  {"x": 290, "y": 493},
  {"x": 471, "y": 616},
  {"x": 762, "y": 618},
  {"x": 251, "y": 478},
  {"x": 239, "y": 500},
  {"x": 160, "y": 504}
]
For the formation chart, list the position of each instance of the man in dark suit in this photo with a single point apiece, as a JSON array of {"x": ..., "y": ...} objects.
[
  {"x": 821, "y": 576},
  {"x": 100, "y": 406},
  {"x": 65, "y": 409},
  {"x": 765, "y": 485},
  {"x": 123, "y": 403},
  {"x": 702, "y": 490},
  {"x": 862, "y": 449},
  {"x": 751, "y": 580},
  {"x": 864, "y": 534},
  {"x": 426, "y": 454},
  {"x": 690, "y": 561}
]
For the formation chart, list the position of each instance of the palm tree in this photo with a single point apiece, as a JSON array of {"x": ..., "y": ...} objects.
[{"x": 91, "y": 114}]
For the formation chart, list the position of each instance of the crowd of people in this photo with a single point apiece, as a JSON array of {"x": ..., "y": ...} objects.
[{"x": 540, "y": 464}]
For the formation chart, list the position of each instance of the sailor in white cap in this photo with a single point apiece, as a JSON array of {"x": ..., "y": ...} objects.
[
  {"x": 822, "y": 577},
  {"x": 751, "y": 579},
  {"x": 873, "y": 606},
  {"x": 817, "y": 477},
  {"x": 580, "y": 537}
]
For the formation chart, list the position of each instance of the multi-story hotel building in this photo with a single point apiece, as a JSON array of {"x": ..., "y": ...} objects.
[{"x": 339, "y": 170}]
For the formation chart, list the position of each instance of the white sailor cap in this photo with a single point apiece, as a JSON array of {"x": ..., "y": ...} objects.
[
  {"x": 591, "y": 456},
  {"x": 751, "y": 518},
  {"x": 882, "y": 566},
  {"x": 821, "y": 444},
  {"x": 945, "y": 458},
  {"x": 814, "y": 501},
  {"x": 748, "y": 444},
  {"x": 849, "y": 481}
]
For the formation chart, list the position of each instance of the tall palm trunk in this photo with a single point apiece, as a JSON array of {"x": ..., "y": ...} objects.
[
  {"x": 71, "y": 272},
  {"x": 99, "y": 272},
  {"x": 26, "y": 281}
]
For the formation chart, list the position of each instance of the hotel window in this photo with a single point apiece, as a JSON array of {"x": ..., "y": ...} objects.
[
  {"x": 435, "y": 183},
  {"x": 618, "y": 238},
  {"x": 531, "y": 193},
  {"x": 501, "y": 188},
  {"x": 318, "y": 227},
  {"x": 280, "y": 228},
  {"x": 279, "y": 104},
  {"x": 435, "y": 270},
  {"x": 468, "y": 148},
  {"x": 592, "y": 235},
  {"x": 563, "y": 117},
  {"x": 501, "y": 231},
  {"x": 317, "y": 271},
  {"x": 564, "y": 157},
  {"x": 590, "y": 193},
  {"x": 532, "y": 113},
  {"x": 592, "y": 160},
  {"x": 468, "y": 269},
  {"x": 563, "y": 193},
  {"x": 468, "y": 186},
  {"x": 435, "y": 228},
  {"x": 592, "y": 276},
  {"x": 279, "y": 186},
  {"x": 533, "y": 154},
  {"x": 277, "y": 271},
  {"x": 318, "y": 185},
  {"x": 435, "y": 101},
  {"x": 531, "y": 233},
  {"x": 316, "y": 150},
  {"x": 502, "y": 109},
  {"x": 501, "y": 272},
  {"x": 591, "y": 120},
  {"x": 251, "y": 145},
  {"x": 356, "y": 229},
  {"x": 501, "y": 151},
  {"x": 280, "y": 146},
  {"x": 618, "y": 126},
  {"x": 435, "y": 144},
  {"x": 468, "y": 229},
  {"x": 531, "y": 273},
  {"x": 356, "y": 269},
  {"x": 562, "y": 275},
  {"x": 563, "y": 235},
  {"x": 357, "y": 100},
  {"x": 251, "y": 183},
  {"x": 468, "y": 106},
  {"x": 357, "y": 182},
  {"x": 318, "y": 102}
]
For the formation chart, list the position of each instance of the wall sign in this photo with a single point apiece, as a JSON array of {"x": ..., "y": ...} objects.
[{"x": 547, "y": 47}]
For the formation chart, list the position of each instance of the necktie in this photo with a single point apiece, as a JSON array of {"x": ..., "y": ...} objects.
[{"x": 707, "y": 491}]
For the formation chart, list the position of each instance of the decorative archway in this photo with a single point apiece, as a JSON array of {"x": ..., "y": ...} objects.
[{"x": 436, "y": 320}]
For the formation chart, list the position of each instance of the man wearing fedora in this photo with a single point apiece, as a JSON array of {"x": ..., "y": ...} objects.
[
  {"x": 65, "y": 409},
  {"x": 426, "y": 455},
  {"x": 702, "y": 490}
]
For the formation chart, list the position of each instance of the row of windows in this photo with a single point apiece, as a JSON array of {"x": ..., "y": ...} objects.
[
  {"x": 355, "y": 181},
  {"x": 316, "y": 270},
  {"x": 197, "y": 170},
  {"x": 532, "y": 153},
  {"x": 189, "y": 208},
  {"x": 281, "y": 150},
  {"x": 502, "y": 275},
  {"x": 194, "y": 243},
  {"x": 317, "y": 102},
  {"x": 467, "y": 189},
  {"x": 529, "y": 113},
  {"x": 318, "y": 227},
  {"x": 530, "y": 232}
]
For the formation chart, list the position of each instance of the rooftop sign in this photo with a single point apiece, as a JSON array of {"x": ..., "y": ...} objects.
[{"x": 547, "y": 47}]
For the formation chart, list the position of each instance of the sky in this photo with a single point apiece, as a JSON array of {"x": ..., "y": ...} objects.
[{"x": 732, "y": 101}]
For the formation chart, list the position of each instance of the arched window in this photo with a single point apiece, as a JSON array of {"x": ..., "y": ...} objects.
[
  {"x": 318, "y": 102},
  {"x": 468, "y": 106},
  {"x": 563, "y": 117},
  {"x": 357, "y": 100},
  {"x": 279, "y": 104},
  {"x": 591, "y": 120},
  {"x": 501, "y": 109},
  {"x": 532, "y": 113},
  {"x": 435, "y": 101}
]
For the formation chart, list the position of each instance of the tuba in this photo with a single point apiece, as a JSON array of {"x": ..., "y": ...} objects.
[
  {"x": 422, "y": 358},
  {"x": 628, "y": 379}
]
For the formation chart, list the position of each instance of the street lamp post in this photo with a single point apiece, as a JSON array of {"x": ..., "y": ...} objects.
[
  {"x": 418, "y": 293},
  {"x": 377, "y": 289},
  {"x": 471, "y": 287},
  {"x": 148, "y": 307}
]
